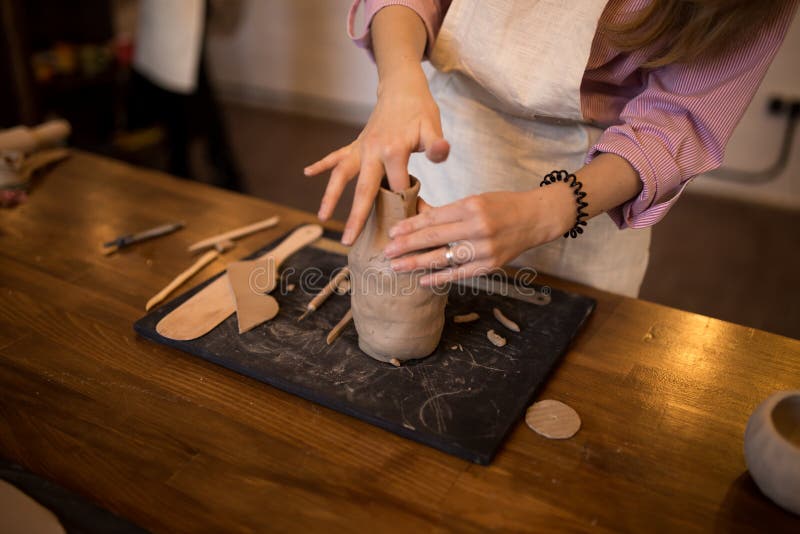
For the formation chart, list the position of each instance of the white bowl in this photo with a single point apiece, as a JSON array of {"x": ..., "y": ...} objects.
[{"x": 772, "y": 448}]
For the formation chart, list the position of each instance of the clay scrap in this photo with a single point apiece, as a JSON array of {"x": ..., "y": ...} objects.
[
  {"x": 553, "y": 419},
  {"x": 466, "y": 318},
  {"x": 505, "y": 321},
  {"x": 496, "y": 339}
]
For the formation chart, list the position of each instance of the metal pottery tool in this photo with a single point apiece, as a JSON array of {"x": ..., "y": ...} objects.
[{"x": 129, "y": 239}]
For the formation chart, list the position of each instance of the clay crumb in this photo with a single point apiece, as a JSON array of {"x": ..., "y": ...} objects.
[
  {"x": 505, "y": 321},
  {"x": 395, "y": 362},
  {"x": 466, "y": 318},
  {"x": 496, "y": 339},
  {"x": 290, "y": 288}
]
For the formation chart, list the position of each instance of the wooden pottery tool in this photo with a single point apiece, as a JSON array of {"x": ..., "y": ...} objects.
[
  {"x": 326, "y": 292},
  {"x": 204, "y": 260},
  {"x": 253, "y": 306},
  {"x": 213, "y": 304},
  {"x": 336, "y": 331},
  {"x": 129, "y": 239},
  {"x": 235, "y": 234}
]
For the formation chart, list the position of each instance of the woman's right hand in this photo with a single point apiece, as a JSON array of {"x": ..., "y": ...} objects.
[{"x": 405, "y": 120}]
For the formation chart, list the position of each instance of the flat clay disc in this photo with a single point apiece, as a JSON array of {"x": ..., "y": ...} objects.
[{"x": 553, "y": 419}]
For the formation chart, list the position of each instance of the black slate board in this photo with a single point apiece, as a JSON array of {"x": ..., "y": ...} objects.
[{"x": 461, "y": 402}]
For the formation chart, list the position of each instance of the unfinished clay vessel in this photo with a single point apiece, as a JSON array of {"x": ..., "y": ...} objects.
[{"x": 394, "y": 316}]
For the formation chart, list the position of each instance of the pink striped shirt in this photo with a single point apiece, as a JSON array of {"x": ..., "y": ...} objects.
[{"x": 671, "y": 123}]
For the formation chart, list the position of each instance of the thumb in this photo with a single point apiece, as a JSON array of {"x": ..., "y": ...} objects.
[{"x": 433, "y": 142}]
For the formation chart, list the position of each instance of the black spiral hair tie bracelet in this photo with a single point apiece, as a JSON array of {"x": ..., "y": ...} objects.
[{"x": 572, "y": 181}]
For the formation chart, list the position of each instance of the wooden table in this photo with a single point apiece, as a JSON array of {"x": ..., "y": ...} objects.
[{"x": 176, "y": 444}]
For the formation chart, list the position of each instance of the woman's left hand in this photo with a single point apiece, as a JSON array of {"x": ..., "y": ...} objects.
[{"x": 487, "y": 231}]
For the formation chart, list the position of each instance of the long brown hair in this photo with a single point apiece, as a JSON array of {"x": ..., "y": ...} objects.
[{"x": 684, "y": 30}]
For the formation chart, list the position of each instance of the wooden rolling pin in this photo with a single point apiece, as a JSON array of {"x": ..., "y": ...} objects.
[{"x": 27, "y": 140}]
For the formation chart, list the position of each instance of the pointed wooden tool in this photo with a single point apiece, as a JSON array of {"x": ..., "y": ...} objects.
[
  {"x": 235, "y": 234},
  {"x": 214, "y": 303}
]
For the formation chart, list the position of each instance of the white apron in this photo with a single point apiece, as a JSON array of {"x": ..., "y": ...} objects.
[
  {"x": 508, "y": 86},
  {"x": 169, "y": 38}
]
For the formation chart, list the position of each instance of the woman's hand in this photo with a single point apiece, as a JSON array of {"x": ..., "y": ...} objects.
[
  {"x": 405, "y": 120},
  {"x": 489, "y": 231}
]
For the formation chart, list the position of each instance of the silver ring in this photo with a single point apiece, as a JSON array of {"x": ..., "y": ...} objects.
[{"x": 449, "y": 256}]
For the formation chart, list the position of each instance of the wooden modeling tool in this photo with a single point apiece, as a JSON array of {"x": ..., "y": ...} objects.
[
  {"x": 253, "y": 306},
  {"x": 213, "y": 304},
  {"x": 235, "y": 234},
  {"x": 179, "y": 280},
  {"x": 326, "y": 292},
  {"x": 130, "y": 239},
  {"x": 337, "y": 330}
]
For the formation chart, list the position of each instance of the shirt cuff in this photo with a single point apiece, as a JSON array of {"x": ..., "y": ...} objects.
[
  {"x": 657, "y": 169},
  {"x": 425, "y": 10}
]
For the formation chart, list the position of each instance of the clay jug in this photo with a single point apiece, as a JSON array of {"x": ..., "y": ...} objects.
[{"x": 394, "y": 316}]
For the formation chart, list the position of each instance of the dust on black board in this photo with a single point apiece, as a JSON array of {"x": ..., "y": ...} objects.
[{"x": 463, "y": 399}]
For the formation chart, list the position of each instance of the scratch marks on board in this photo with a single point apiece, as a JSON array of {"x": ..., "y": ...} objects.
[
  {"x": 441, "y": 410},
  {"x": 474, "y": 363}
]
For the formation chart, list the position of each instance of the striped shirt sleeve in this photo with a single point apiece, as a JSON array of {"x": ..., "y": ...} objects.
[
  {"x": 430, "y": 11},
  {"x": 678, "y": 126}
]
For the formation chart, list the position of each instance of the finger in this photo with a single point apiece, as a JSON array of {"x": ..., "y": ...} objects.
[
  {"x": 436, "y": 146},
  {"x": 428, "y": 237},
  {"x": 438, "y": 151},
  {"x": 463, "y": 252},
  {"x": 460, "y": 272},
  {"x": 448, "y": 213},
  {"x": 396, "y": 164},
  {"x": 427, "y": 261},
  {"x": 341, "y": 175},
  {"x": 369, "y": 181},
  {"x": 326, "y": 163}
]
